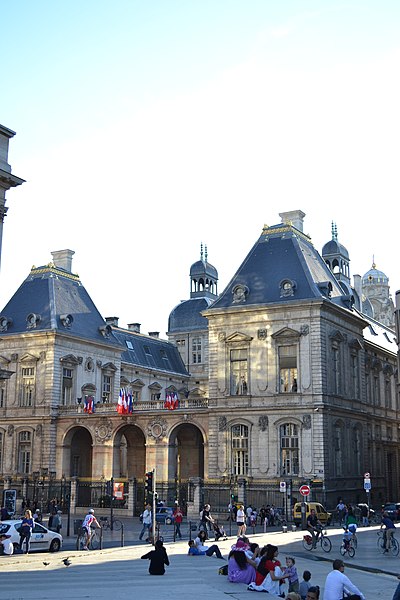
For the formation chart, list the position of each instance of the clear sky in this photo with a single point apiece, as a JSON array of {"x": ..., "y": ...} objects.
[{"x": 147, "y": 127}]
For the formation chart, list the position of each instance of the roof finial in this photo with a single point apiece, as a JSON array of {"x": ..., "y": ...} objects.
[
  {"x": 373, "y": 262},
  {"x": 205, "y": 252},
  {"x": 201, "y": 251},
  {"x": 333, "y": 231}
]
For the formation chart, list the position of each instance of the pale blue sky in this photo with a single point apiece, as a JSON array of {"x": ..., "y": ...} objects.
[{"x": 146, "y": 128}]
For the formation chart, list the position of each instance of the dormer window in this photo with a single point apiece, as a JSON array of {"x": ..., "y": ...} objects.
[
  {"x": 287, "y": 287},
  {"x": 5, "y": 323},
  {"x": 33, "y": 320}
]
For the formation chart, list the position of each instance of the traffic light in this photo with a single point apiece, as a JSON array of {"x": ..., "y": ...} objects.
[{"x": 148, "y": 484}]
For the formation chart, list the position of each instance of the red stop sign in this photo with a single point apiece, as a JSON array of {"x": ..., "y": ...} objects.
[{"x": 305, "y": 490}]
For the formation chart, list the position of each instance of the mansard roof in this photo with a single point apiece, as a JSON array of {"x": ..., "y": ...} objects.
[
  {"x": 283, "y": 266},
  {"x": 149, "y": 352},
  {"x": 54, "y": 299},
  {"x": 186, "y": 316}
]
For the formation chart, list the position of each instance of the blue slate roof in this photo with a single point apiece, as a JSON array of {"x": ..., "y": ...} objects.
[
  {"x": 186, "y": 315},
  {"x": 149, "y": 352},
  {"x": 282, "y": 256},
  {"x": 52, "y": 298}
]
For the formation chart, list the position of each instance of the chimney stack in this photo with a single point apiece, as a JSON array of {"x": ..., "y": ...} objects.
[
  {"x": 63, "y": 259},
  {"x": 113, "y": 321},
  {"x": 293, "y": 217},
  {"x": 134, "y": 327},
  {"x": 154, "y": 334}
]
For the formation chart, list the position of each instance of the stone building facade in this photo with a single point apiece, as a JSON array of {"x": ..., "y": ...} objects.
[{"x": 274, "y": 379}]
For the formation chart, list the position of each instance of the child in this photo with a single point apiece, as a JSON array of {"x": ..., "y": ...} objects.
[
  {"x": 158, "y": 558},
  {"x": 305, "y": 585},
  {"x": 293, "y": 577},
  {"x": 347, "y": 538}
]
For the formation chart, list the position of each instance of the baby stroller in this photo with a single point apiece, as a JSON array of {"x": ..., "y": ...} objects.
[{"x": 219, "y": 531}]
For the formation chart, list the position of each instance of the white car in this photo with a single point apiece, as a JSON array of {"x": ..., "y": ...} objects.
[{"x": 41, "y": 538}]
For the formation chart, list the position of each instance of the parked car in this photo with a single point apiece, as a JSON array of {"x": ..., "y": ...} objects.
[
  {"x": 393, "y": 510},
  {"x": 41, "y": 539},
  {"x": 322, "y": 514},
  {"x": 165, "y": 514}
]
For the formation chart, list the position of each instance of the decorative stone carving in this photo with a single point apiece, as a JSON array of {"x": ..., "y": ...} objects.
[
  {"x": 103, "y": 431},
  {"x": 262, "y": 334},
  {"x": 222, "y": 423},
  {"x": 222, "y": 336},
  {"x": 304, "y": 330},
  {"x": 99, "y": 363},
  {"x": 10, "y": 430},
  {"x": 263, "y": 423},
  {"x": 157, "y": 428},
  {"x": 39, "y": 430},
  {"x": 14, "y": 357},
  {"x": 239, "y": 293},
  {"x": 307, "y": 421}
]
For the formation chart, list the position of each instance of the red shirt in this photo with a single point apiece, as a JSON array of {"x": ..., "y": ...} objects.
[
  {"x": 264, "y": 567},
  {"x": 178, "y": 515}
]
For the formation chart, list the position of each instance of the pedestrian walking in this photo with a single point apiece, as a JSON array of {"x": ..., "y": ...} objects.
[
  {"x": 240, "y": 521},
  {"x": 178, "y": 518},
  {"x": 147, "y": 522}
]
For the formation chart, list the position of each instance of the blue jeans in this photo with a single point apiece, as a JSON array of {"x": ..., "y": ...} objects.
[
  {"x": 212, "y": 549},
  {"x": 145, "y": 526},
  {"x": 25, "y": 537}
]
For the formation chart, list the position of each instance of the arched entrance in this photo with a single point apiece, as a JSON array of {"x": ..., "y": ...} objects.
[
  {"x": 186, "y": 453},
  {"x": 77, "y": 453},
  {"x": 129, "y": 453}
]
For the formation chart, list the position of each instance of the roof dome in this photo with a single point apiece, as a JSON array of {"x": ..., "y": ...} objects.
[
  {"x": 334, "y": 247},
  {"x": 201, "y": 268},
  {"x": 374, "y": 276},
  {"x": 187, "y": 315}
]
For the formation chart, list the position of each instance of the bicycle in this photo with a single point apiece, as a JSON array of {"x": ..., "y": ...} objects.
[
  {"x": 93, "y": 543},
  {"x": 347, "y": 548},
  {"x": 394, "y": 544},
  {"x": 105, "y": 523},
  {"x": 323, "y": 541}
]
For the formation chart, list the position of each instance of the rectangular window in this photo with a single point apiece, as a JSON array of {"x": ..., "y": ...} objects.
[
  {"x": 239, "y": 372},
  {"x": 24, "y": 452},
  {"x": 196, "y": 350},
  {"x": 355, "y": 377},
  {"x": 388, "y": 394},
  {"x": 240, "y": 449},
  {"x": 181, "y": 342},
  {"x": 289, "y": 449},
  {"x": 67, "y": 386},
  {"x": 376, "y": 390},
  {"x": 165, "y": 360},
  {"x": 2, "y": 395},
  {"x": 106, "y": 388},
  {"x": 288, "y": 369},
  {"x": 336, "y": 370},
  {"x": 149, "y": 357},
  {"x": 27, "y": 386}
]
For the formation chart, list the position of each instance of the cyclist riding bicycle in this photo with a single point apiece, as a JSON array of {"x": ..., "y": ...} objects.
[
  {"x": 314, "y": 526},
  {"x": 347, "y": 537},
  {"x": 88, "y": 522},
  {"x": 389, "y": 529}
]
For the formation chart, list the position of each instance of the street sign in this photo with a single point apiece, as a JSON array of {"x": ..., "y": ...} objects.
[
  {"x": 367, "y": 485},
  {"x": 367, "y": 476},
  {"x": 282, "y": 486},
  {"x": 305, "y": 490}
]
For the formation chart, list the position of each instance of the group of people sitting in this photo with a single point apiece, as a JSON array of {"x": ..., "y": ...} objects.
[{"x": 261, "y": 570}]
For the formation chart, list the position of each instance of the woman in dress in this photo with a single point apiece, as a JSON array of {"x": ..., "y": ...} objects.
[{"x": 269, "y": 575}]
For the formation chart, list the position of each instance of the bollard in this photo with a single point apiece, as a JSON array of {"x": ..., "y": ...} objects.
[
  {"x": 284, "y": 528},
  {"x": 101, "y": 539},
  {"x": 122, "y": 537},
  {"x": 294, "y": 528}
]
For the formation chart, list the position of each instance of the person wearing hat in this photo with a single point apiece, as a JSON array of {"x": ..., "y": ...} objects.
[{"x": 6, "y": 545}]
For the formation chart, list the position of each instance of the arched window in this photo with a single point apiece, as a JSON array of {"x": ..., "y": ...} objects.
[
  {"x": 289, "y": 442},
  {"x": 240, "y": 449}
]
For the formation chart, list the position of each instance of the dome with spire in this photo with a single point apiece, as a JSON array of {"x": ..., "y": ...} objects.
[
  {"x": 333, "y": 247},
  {"x": 375, "y": 277},
  {"x": 202, "y": 268}
]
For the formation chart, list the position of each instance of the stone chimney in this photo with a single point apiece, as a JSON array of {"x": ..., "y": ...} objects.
[
  {"x": 293, "y": 217},
  {"x": 134, "y": 327},
  {"x": 63, "y": 259},
  {"x": 113, "y": 321},
  {"x": 154, "y": 334}
]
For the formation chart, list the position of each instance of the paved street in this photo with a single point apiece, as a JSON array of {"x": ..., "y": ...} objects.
[{"x": 118, "y": 572}]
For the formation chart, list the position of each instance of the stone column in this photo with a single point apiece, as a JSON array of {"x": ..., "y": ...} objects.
[
  {"x": 242, "y": 495},
  {"x": 132, "y": 497},
  {"x": 193, "y": 508},
  {"x": 73, "y": 498}
]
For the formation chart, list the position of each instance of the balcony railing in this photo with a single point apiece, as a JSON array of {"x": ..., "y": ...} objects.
[{"x": 138, "y": 407}]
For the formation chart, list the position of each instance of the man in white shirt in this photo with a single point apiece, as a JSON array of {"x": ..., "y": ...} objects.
[
  {"x": 7, "y": 547},
  {"x": 337, "y": 584},
  {"x": 147, "y": 522}
]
